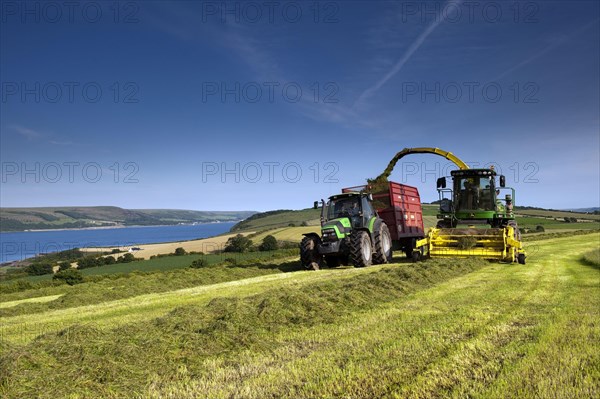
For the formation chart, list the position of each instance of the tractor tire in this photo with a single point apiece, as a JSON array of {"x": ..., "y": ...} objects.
[
  {"x": 383, "y": 244},
  {"x": 309, "y": 253},
  {"x": 361, "y": 250},
  {"x": 332, "y": 260}
]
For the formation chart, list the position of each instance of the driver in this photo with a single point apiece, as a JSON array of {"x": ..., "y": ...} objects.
[{"x": 353, "y": 209}]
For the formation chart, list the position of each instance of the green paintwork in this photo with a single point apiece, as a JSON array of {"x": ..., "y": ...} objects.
[
  {"x": 372, "y": 223},
  {"x": 332, "y": 225}
]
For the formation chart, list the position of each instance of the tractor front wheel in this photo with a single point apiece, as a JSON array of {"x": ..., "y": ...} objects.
[
  {"x": 309, "y": 253},
  {"x": 361, "y": 251}
]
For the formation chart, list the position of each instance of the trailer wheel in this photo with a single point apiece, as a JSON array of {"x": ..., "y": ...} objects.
[
  {"x": 361, "y": 253},
  {"x": 332, "y": 261},
  {"x": 416, "y": 256},
  {"x": 309, "y": 253},
  {"x": 383, "y": 243},
  {"x": 408, "y": 248}
]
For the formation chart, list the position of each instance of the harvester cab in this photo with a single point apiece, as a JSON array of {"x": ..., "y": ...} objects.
[{"x": 474, "y": 199}]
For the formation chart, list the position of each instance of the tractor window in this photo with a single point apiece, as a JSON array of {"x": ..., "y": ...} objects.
[
  {"x": 367, "y": 208},
  {"x": 343, "y": 207}
]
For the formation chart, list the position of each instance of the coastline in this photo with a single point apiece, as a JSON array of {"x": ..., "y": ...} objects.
[
  {"x": 120, "y": 226},
  {"x": 167, "y": 243}
]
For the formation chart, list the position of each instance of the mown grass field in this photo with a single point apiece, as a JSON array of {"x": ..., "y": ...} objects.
[{"x": 441, "y": 328}]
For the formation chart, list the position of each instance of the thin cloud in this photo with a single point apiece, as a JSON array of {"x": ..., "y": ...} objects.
[
  {"x": 408, "y": 54},
  {"x": 34, "y": 135},
  {"x": 546, "y": 50},
  {"x": 29, "y": 134}
]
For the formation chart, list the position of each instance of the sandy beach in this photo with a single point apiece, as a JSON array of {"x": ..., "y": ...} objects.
[{"x": 206, "y": 245}]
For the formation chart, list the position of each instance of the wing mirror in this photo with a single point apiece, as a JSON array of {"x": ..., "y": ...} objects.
[
  {"x": 441, "y": 182},
  {"x": 502, "y": 181},
  {"x": 316, "y": 205}
]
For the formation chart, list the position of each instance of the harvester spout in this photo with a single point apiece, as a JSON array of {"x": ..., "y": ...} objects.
[{"x": 420, "y": 150}]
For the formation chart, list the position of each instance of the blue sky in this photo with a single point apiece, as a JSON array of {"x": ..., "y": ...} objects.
[{"x": 260, "y": 105}]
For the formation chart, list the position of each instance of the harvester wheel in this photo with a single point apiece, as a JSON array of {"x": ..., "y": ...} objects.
[
  {"x": 309, "y": 253},
  {"x": 521, "y": 259},
  {"x": 361, "y": 252},
  {"x": 332, "y": 261},
  {"x": 416, "y": 256},
  {"x": 383, "y": 243}
]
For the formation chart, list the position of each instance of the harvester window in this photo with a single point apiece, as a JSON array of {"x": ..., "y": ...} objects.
[{"x": 475, "y": 193}]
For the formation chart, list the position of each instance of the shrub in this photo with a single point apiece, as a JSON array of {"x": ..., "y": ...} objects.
[
  {"x": 199, "y": 263},
  {"x": 128, "y": 257},
  {"x": 291, "y": 225},
  {"x": 232, "y": 261},
  {"x": 39, "y": 269},
  {"x": 269, "y": 243},
  {"x": 70, "y": 276},
  {"x": 239, "y": 243},
  {"x": 115, "y": 251},
  {"x": 180, "y": 251},
  {"x": 540, "y": 228},
  {"x": 64, "y": 265},
  {"x": 89, "y": 261},
  {"x": 304, "y": 224}
]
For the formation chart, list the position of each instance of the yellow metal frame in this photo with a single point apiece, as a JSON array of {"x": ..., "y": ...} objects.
[{"x": 501, "y": 245}]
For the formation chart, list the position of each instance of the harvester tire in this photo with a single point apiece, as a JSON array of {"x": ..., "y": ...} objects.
[
  {"x": 309, "y": 253},
  {"x": 332, "y": 261},
  {"x": 521, "y": 259},
  {"x": 383, "y": 243},
  {"x": 361, "y": 251},
  {"x": 416, "y": 256}
]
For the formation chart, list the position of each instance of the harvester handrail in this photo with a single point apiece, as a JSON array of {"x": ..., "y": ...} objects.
[{"x": 421, "y": 150}]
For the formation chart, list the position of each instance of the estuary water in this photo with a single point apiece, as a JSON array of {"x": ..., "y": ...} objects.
[{"x": 21, "y": 245}]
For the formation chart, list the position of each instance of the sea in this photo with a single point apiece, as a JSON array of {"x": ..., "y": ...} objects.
[{"x": 26, "y": 244}]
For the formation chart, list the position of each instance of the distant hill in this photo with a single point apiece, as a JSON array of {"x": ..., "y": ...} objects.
[
  {"x": 584, "y": 210},
  {"x": 279, "y": 218},
  {"x": 20, "y": 219}
]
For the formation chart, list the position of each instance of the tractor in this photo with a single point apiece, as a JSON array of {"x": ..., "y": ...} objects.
[{"x": 351, "y": 232}]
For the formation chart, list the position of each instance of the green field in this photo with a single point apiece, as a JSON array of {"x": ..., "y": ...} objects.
[{"x": 443, "y": 328}]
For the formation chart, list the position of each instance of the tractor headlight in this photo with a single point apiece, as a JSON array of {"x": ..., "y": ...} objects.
[{"x": 329, "y": 234}]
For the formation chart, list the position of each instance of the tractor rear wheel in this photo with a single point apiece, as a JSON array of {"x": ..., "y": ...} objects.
[
  {"x": 361, "y": 251},
  {"x": 332, "y": 260},
  {"x": 309, "y": 253},
  {"x": 383, "y": 243}
]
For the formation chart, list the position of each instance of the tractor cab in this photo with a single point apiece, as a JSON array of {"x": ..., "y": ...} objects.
[{"x": 344, "y": 212}]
